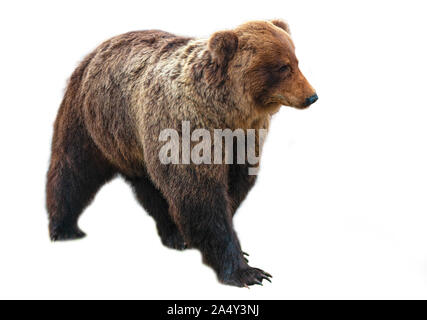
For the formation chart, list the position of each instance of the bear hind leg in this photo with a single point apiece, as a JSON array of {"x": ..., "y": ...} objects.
[{"x": 73, "y": 179}]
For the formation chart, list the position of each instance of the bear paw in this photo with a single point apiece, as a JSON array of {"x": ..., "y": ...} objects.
[
  {"x": 66, "y": 233},
  {"x": 246, "y": 277},
  {"x": 174, "y": 240}
]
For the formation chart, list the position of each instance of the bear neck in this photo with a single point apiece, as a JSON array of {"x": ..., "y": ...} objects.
[{"x": 213, "y": 91}]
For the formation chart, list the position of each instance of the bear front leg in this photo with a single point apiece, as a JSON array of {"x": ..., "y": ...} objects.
[
  {"x": 239, "y": 184},
  {"x": 156, "y": 206},
  {"x": 205, "y": 220}
]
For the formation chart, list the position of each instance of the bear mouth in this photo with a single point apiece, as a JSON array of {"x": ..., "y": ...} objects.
[{"x": 281, "y": 99}]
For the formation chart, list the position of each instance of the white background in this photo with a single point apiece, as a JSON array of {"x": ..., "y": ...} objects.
[{"x": 339, "y": 210}]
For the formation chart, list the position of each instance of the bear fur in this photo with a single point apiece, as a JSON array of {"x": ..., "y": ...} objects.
[{"x": 131, "y": 87}]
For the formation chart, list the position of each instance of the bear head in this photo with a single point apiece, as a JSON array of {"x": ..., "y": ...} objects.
[{"x": 261, "y": 65}]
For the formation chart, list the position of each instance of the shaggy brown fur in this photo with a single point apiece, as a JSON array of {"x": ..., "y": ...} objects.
[{"x": 135, "y": 85}]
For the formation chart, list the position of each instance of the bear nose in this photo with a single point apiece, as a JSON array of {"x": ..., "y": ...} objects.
[{"x": 311, "y": 100}]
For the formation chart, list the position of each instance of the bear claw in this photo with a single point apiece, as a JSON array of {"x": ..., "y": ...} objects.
[
  {"x": 245, "y": 256},
  {"x": 247, "y": 277}
]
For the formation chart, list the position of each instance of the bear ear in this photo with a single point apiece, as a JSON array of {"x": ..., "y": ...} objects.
[
  {"x": 223, "y": 46},
  {"x": 281, "y": 24}
]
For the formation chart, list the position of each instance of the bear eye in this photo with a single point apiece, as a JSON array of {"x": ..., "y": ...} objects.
[{"x": 284, "y": 68}]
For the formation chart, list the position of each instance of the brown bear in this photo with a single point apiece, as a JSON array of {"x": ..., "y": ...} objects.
[{"x": 133, "y": 86}]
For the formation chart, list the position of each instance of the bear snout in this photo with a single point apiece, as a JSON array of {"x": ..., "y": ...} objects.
[{"x": 310, "y": 100}]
